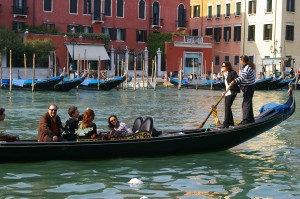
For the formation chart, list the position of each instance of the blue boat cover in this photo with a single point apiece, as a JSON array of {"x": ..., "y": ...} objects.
[
  {"x": 21, "y": 82},
  {"x": 277, "y": 107}
]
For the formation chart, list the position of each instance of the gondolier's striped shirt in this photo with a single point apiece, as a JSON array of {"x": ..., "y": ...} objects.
[{"x": 247, "y": 76}]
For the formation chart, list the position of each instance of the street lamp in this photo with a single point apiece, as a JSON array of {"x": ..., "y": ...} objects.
[
  {"x": 73, "y": 42},
  {"x": 274, "y": 49}
]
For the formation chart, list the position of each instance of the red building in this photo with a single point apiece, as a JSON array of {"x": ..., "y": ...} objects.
[{"x": 128, "y": 23}]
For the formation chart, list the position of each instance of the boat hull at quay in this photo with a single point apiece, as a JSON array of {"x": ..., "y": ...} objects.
[
  {"x": 68, "y": 84},
  {"x": 168, "y": 143},
  {"x": 39, "y": 85},
  {"x": 104, "y": 85}
]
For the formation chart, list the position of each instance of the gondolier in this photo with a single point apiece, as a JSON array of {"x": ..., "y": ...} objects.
[{"x": 247, "y": 81}]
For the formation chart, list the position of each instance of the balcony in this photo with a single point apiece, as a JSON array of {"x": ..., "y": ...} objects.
[
  {"x": 157, "y": 23},
  {"x": 192, "y": 41},
  {"x": 20, "y": 11},
  {"x": 98, "y": 17},
  {"x": 181, "y": 25}
]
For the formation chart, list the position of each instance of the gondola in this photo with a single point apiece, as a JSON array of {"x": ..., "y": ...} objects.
[
  {"x": 262, "y": 84},
  {"x": 184, "y": 83},
  {"x": 104, "y": 85},
  {"x": 39, "y": 84},
  {"x": 199, "y": 140},
  {"x": 68, "y": 84}
]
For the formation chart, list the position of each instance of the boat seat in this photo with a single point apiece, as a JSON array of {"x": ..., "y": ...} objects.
[
  {"x": 137, "y": 124},
  {"x": 147, "y": 125}
]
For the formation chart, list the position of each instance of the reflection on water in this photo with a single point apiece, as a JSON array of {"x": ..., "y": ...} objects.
[{"x": 264, "y": 167}]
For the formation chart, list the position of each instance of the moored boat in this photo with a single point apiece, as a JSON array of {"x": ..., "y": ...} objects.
[
  {"x": 38, "y": 84},
  {"x": 104, "y": 85},
  {"x": 168, "y": 143},
  {"x": 68, "y": 84}
]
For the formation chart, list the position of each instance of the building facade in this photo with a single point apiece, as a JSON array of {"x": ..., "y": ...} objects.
[
  {"x": 263, "y": 30},
  {"x": 128, "y": 23}
]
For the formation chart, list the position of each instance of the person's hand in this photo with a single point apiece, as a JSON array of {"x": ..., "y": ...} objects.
[{"x": 55, "y": 138}]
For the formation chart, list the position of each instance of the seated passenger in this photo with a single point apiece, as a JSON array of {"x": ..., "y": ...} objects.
[
  {"x": 50, "y": 126},
  {"x": 87, "y": 128},
  {"x": 72, "y": 123},
  {"x": 117, "y": 128}
]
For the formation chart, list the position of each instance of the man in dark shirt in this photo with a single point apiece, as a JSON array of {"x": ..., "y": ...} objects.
[{"x": 72, "y": 123}]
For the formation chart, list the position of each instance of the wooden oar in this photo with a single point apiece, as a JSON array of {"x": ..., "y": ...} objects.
[{"x": 213, "y": 107}]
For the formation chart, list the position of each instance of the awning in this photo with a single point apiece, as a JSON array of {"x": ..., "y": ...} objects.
[{"x": 88, "y": 51}]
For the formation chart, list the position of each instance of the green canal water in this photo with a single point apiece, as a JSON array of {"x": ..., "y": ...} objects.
[{"x": 266, "y": 166}]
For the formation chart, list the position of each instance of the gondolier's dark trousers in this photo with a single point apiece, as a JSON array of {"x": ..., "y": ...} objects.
[
  {"x": 228, "y": 119},
  {"x": 247, "y": 105}
]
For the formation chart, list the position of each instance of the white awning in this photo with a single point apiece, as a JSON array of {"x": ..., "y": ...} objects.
[{"x": 88, "y": 51}]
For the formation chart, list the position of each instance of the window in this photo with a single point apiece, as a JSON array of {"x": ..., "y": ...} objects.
[
  {"x": 107, "y": 8},
  {"x": 155, "y": 15},
  {"x": 290, "y": 5},
  {"x": 217, "y": 34},
  {"x": 120, "y": 8},
  {"x": 19, "y": 7},
  {"x": 268, "y": 32},
  {"x": 86, "y": 6},
  {"x": 87, "y": 29},
  {"x": 226, "y": 58},
  {"x": 217, "y": 60},
  {"x": 181, "y": 21},
  {"x": 227, "y": 33},
  {"x": 209, "y": 12},
  {"x": 236, "y": 60},
  {"x": 238, "y": 9},
  {"x": 120, "y": 34},
  {"x": 269, "y": 6},
  {"x": 73, "y": 6},
  {"x": 227, "y": 14},
  {"x": 251, "y": 33},
  {"x": 208, "y": 31},
  {"x": 47, "y": 5},
  {"x": 141, "y": 35},
  {"x": 142, "y": 11},
  {"x": 252, "y": 7},
  {"x": 18, "y": 26},
  {"x": 108, "y": 31},
  {"x": 97, "y": 15},
  {"x": 251, "y": 58},
  {"x": 194, "y": 32},
  {"x": 73, "y": 28},
  {"x": 218, "y": 15},
  {"x": 196, "y": 11},
  {"x": 49, "y": 26},
  {"x": 237, "y": 33},
  {"x": 289, "y": 32}
]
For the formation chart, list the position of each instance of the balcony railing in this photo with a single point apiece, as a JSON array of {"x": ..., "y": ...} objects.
[
  {"x": 157, "y": 22},
  {"x": 20, "y": 11},
  {"x": 98, "y": 17},
  {"x": 193, "y": 39}
]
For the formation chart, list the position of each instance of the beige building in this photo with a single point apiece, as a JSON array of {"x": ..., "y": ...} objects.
[{"x": 264, "y": 30}]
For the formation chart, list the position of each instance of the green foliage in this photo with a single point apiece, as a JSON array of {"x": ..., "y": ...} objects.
[
  {"x": 157, "y": 40},
  {"x": 41, "y": 30},
  {"x": 11, "y": 41},
  {"x": 41, "y": 49}
]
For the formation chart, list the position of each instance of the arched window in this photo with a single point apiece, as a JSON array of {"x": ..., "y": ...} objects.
[
  {"x": 155, "y": 14},
  {"x": 142, "y": 8},
  {"x": 107, "y": 8},
  {"x": 120, "y": 8},
  {"x": 181, "y": 20}
]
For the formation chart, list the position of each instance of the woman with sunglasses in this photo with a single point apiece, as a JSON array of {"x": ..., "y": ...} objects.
[
  {"x": 117, "y": 128},
  {"x": 229, "y": 75}
]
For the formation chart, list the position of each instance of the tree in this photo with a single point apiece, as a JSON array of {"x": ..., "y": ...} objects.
[
  {"x": 41, "y": 49},
  {"x": 11, "y": 41}
]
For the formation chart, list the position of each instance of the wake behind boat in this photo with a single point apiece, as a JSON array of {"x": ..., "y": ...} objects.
[{"x": 168, "y": 143}]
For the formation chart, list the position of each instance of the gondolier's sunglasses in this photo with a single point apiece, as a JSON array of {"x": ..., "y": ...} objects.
[
  {"x": 53, "y": 110},
  {"x": 112, "y": 120}
]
